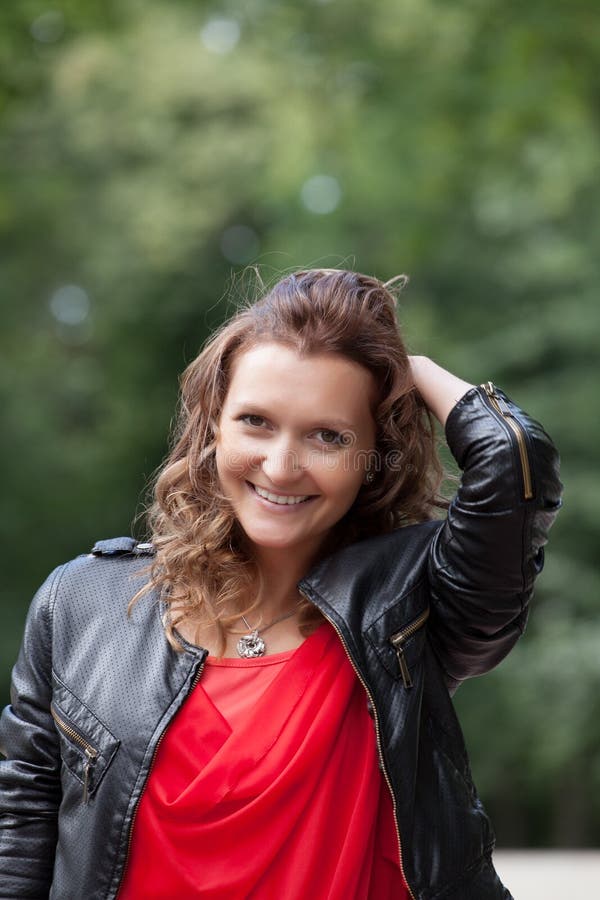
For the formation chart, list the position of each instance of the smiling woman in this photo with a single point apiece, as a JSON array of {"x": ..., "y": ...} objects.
[
  {"x": 292, "y": 454},
  {"x": 263, "y": 708},
  {"x": 308, "y": 393}
]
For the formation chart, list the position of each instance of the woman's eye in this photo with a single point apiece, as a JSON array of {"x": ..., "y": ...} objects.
[
  {"x": 327, "y": 436},
  {"x": 336, "y": 438},
  {"x": 251, "y": 419}
]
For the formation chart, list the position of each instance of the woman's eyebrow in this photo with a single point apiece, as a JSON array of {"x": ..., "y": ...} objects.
[{"x": 339, "y": 423}]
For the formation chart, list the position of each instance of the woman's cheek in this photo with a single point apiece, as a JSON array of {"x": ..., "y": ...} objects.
[{"x": 241, "y": 457}]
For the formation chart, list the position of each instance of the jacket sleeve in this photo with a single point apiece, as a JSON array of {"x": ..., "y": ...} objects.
[
  {"x": 486, "y": 556},
  {"x": 29, "y": 776}
]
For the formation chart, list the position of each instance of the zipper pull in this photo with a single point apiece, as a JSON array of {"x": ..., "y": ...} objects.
[
  {"x": 498, "y": 402},
  {"x": 91, "y": 759},
  {"x": 404, "y": 671},
  {"x": 399, "y": 639}
]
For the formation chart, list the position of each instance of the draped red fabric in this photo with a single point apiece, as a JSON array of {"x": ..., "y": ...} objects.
[{"x": 267, "y": 787}]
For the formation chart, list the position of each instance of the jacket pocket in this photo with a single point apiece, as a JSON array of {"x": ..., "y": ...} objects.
[
  {"x": 398, "y": 636},
  {"x": 87, "y": 747},
  {"x": 401, "y": 640}
]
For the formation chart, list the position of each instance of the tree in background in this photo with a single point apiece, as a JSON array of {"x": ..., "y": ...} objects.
[{"x": 152, "y": 149}]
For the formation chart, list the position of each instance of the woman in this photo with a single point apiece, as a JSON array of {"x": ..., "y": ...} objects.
[{"x": 273, "y": 717}]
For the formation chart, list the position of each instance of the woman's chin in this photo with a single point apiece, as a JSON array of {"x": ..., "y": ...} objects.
[{"x": 273, "y": 541}]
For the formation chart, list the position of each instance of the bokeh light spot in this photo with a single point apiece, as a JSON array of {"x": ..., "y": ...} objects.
[
  {"x": 70, "y": 305},
  {"x": 220, "y": 35},
  {"x": 321, "y": 194},
  {"x": 49, "y": 27},
  {"x": 239, "y": 244}
]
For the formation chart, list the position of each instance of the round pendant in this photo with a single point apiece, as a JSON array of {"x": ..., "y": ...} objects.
[{"x": 251, "y": 645}]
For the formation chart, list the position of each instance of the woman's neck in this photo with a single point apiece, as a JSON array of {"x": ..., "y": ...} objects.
[{"x": 279, "y": 571}]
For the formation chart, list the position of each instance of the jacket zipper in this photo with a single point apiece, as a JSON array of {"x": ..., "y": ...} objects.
[
  {"x": 503, "y": 410},
  {"x": 377, "y": 737},
  {"x": 399, "y": 639},
  {"x": 193, "y": 684},
  {"x": 90, "y": 752}
]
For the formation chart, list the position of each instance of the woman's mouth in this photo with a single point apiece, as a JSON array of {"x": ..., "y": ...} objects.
[{"x": 280, "y": 499}]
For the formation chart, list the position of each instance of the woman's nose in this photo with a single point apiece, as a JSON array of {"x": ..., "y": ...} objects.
[{"x": 283, "y": 463}]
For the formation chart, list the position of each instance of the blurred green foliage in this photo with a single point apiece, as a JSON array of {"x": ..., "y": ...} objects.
[{"x": 150, "y": 149}]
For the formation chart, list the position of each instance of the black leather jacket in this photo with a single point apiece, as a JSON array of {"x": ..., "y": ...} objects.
[{"x": 418, "y": 611}]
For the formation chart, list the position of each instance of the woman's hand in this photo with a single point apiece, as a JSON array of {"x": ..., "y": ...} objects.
[{"x": 439, "y": 389}]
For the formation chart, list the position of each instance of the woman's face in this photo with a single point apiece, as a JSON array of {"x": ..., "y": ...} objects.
[{"x": 294, "y": 441}]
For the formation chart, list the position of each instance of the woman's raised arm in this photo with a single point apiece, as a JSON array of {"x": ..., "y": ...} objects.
[
  {"x": 439, "y": 389},
  {"x": 486, "y": 557}
]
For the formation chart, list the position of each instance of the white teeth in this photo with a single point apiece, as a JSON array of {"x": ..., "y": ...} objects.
[{"x": 278, "y": 498}]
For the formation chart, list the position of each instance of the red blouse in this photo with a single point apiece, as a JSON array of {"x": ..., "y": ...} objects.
[{"x": 266, "y": 786}]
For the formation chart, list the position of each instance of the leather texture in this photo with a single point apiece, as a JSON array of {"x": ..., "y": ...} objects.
[{"x": 70, "y": 783}]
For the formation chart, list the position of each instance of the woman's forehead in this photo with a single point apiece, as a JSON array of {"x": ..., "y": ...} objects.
[
  {"x": 261, "y": 362},
  {"x": 276, "y": 373}
]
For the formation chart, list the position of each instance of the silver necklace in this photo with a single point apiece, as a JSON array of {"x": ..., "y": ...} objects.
[{"x": 252, "y": 645}]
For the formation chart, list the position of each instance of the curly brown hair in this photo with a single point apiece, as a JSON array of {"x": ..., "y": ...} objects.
[{"x": 203, "y": 567}]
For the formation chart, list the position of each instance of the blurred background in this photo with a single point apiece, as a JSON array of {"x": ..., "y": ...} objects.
[{"x": 151, "y": 149}]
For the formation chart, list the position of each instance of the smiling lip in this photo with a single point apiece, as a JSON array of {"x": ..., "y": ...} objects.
[{"x": 287, "y": 501}]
